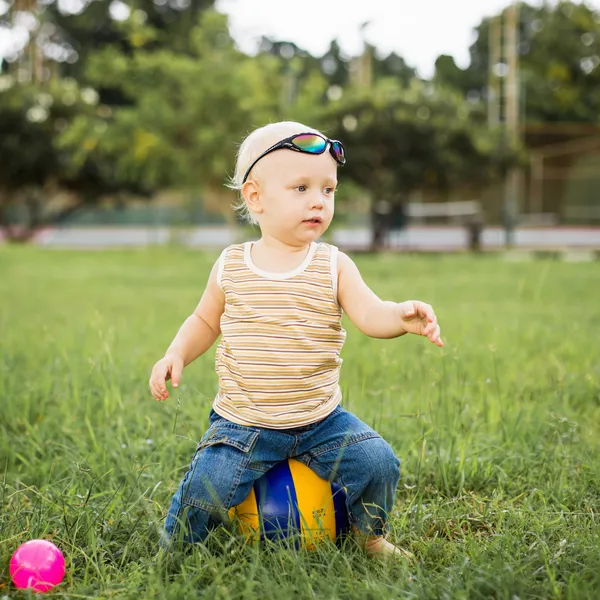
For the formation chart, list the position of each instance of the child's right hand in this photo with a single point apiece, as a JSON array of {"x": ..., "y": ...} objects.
[{"x": 169, "y": 367}]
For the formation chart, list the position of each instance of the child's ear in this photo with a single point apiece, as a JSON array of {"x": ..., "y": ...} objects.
[{"x": 251, "y": 194}]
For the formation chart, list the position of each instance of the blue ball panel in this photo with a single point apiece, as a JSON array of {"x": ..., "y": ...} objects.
[
  {"x": 277, "y": 502},
  {"x": 339, "y": 506}
]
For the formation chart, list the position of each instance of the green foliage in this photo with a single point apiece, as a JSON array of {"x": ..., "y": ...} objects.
[
  {"x": 182, "y": 112},
  {"x": 334, "y": 66},
  {"x": 400, "y": 138},
  {"x": 393, "y": 66},
  {"x": 88, "y": 31},
  {"x": 32, "y": 119},
  {"x": 55, "y": 140},
  {"x": 559, "y": 62},
  {"x": 29, "y": 118},
  {"x": 498, "y": 433}
]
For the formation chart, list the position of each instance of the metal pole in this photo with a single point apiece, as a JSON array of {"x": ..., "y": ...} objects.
[
  {"x": 30, "y": 62},
  {"x": 495, "y": 52},
  {"x": 514, "y": 176}
]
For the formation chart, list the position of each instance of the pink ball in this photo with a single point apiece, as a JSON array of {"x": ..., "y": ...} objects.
[{"x": 37, "y": 564}]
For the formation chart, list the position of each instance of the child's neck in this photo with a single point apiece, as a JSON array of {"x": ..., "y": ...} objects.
[{"x": 272, "y": 255}]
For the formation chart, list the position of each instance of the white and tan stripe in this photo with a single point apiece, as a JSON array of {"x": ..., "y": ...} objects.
[{"x": 278, "y": 360}]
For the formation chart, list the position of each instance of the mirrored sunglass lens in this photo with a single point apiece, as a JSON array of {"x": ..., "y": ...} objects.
[
  {"x": 339, "y": 151},
  {"x": 310, "y": 143}
]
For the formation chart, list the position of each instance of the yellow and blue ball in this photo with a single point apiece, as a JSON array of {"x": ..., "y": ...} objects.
[{"x": 291, "y": 500}]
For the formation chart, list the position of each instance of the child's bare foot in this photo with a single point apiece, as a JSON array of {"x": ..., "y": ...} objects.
[{"x": 377, "y": 545}]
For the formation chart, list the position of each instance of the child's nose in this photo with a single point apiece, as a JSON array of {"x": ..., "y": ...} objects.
[{"x": 317, "y": 200}]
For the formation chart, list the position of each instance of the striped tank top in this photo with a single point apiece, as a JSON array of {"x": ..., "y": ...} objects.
[{"x": 278, "y": 360}]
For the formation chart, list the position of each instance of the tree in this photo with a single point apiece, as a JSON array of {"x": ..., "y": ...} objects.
[
  {"x": 559, "y": 63},
  {"x": 33, "y": 168},
  {"x": 394, "y": 66},
  {"x": 399, "y": 139},
  {"x": 177, "y": 121},
  {"x": 183, "y": 112},
  {"x": 298, "y": 66},
  {"x": 43, "y": 113}
]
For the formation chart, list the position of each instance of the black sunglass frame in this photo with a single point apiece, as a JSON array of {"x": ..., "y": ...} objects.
[{"x": 288, "y": 144}]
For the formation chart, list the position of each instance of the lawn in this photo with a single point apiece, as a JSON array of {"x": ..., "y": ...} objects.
[{"x": 498, "y": 433}]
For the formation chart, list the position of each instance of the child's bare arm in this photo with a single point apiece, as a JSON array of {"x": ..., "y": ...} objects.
[
  {"x": 197, "y": 334},
  {"x": 378, "y": 318},
  {"x": 200, "y": 330}
]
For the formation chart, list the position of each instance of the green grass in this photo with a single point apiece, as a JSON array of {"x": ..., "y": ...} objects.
[{"x": 498, "y": 433}]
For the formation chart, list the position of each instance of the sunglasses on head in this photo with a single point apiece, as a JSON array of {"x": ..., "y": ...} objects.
[{"x": 309, "y": 143}]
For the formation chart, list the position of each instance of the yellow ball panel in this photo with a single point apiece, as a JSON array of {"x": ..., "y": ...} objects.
[
  {"x": 245, "y": 516},
  {"x": 315, "y": 505}
]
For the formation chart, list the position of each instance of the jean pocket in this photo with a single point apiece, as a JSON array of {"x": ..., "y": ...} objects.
[
  {"x": 237, "y": 436},
  {"x": 216, "y": 471}
]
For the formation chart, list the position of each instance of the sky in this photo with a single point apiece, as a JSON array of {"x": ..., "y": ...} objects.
[{"x": 417, "y": 30}]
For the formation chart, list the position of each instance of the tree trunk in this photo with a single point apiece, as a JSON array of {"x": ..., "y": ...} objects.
[
  {"x": 25, "y": 231},
  {"x": 382, "y": 215},
  {"x": 377, "y": 229},
  {"x": 14, "y": 232}
]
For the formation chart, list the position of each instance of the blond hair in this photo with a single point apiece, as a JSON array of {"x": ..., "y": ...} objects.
[{"x": 251, "y": 148}]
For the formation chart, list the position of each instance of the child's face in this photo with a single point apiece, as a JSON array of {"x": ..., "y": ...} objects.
[{"x": 296, "y": 195}]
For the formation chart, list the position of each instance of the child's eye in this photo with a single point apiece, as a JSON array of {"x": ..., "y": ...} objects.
[
  {"x": 301, "y": 188},
  {"x": 329, "y": 190}
]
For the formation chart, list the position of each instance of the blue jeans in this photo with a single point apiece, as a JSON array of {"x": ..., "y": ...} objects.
[{"x": 231, "y": 457}]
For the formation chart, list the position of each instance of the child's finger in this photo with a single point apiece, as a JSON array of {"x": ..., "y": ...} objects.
[
  {"x": 428, "y": 312},
  {"x": 408, "y": 309},
  {"x": 434, "y": 331},
  {"x": 431, "y": 327},
  {"x": 158, "y": 390},
  {"x": 435, "y": 336},
  {"x": 176, "y": 371}
]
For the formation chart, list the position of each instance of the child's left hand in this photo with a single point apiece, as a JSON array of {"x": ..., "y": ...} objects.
[{"x": 419, "y": 318}]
